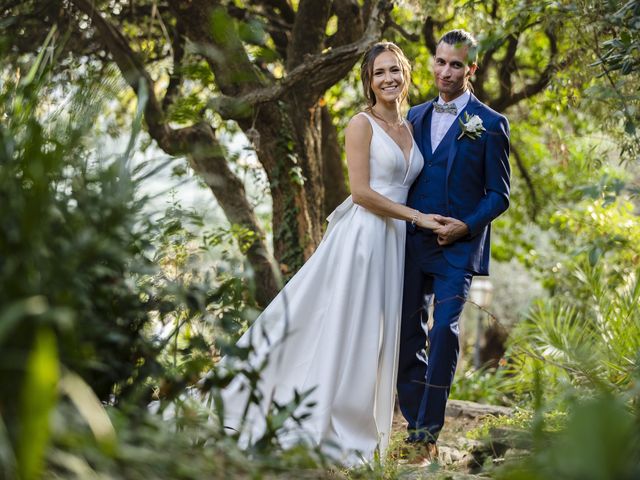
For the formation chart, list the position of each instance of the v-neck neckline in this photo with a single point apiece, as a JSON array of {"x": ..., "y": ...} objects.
[{"x": 407, "y": 161}]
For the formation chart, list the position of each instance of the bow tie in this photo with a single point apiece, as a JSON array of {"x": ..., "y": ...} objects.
[{"x": 446, "y": 108}]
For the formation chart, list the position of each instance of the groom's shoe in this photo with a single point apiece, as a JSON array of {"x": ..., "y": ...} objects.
[{"x": 425, "y": 454}]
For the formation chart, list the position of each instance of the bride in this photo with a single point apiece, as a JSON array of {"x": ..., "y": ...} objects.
[{"x": 333, "y": 330}]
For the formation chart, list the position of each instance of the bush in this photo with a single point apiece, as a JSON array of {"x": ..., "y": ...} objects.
[{"x": 103, "y": 308}]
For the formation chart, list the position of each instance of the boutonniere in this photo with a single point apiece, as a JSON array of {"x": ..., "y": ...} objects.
[{"x": 471, "y": 127}]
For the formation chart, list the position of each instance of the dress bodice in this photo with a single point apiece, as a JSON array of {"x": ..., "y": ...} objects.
[{"x": 389, "y": 173}]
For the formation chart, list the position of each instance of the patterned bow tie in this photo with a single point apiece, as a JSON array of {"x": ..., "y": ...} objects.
[{"x": 446, "y": 108}]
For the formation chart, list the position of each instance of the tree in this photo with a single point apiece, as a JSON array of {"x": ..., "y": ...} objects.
[{"x": 263, "y": 65}]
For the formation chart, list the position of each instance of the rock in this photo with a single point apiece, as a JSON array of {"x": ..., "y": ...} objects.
[
  {"x": 451, "y": 455},
  {"x": 460, "y": 457},
  {"x": 505, "y": 438},
  {"x": 463, "y": 408}
]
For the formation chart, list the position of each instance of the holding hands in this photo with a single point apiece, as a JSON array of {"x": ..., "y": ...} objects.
[
  {"x": 427, "y": 221},
  {"x": 448, "y": 229}
]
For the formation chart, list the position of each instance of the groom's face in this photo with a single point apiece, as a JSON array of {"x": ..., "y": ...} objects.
[{"x": 451, "y": 70}]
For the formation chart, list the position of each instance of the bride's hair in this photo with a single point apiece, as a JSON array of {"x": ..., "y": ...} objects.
[{"x": 366, "y": 69}]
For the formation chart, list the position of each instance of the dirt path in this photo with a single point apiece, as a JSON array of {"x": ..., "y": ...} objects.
[{"x": 460, "y": 457}]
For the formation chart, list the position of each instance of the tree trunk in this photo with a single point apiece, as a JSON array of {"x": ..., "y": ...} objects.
[
  {"x": 209, "y": 162},
  {"x": 292, "y": 170},
  {"x": 335, "y": 185},
  {"x": 287, "y": 113}
]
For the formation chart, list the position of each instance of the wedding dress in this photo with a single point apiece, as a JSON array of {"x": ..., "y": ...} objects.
[{"x": 334, "y": 327}]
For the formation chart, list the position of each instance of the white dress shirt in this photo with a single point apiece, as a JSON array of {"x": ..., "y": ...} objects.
[{"x": 441, "y": 122}]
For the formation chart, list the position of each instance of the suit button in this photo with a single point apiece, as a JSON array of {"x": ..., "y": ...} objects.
[{"x": 430, "y": 164}]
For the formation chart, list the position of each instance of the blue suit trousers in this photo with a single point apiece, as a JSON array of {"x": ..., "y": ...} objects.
[{"x": 424, "y": 385}]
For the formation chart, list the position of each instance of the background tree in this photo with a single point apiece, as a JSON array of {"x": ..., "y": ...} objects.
[
  {"x": 88, "y": 276},
  {"x": 262, "y": 65}
]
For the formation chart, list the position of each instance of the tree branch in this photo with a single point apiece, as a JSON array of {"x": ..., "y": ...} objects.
[
  {"x": 279, "y": 32},
  {"x": 507, "y": 98},
  {"x": 412, "y": 37},
  {"x": 278, "y": 29},
  {"x": 483, "y": 70},
  {"x": 331, "y": 63},
  {"x": 528, "y": 182},
  {"x": 208, "y": 160},
  {"x": 428, "y": 32},
  {"x": 350, "y": 23},
  {"x": 130, "y": 66},
  {"x": 175, "y": 78},
  {"x": 308, "y": 31},
  {"x": 282, "y": 6},
  {"x": 507, "y": 66},
  {"x": 494, "y": 9},
  {"x": 219, "y": 44}
]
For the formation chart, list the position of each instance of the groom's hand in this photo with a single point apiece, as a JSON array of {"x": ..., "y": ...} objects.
[{"x": 450, "y": 229}]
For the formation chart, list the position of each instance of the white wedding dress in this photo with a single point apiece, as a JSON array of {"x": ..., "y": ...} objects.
[{"x": 335, "y": 326}]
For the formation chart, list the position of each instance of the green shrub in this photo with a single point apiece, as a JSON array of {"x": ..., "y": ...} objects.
[{"x": 103, "y": 308}]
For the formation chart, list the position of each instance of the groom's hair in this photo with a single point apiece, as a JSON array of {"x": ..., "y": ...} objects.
[{"x": 459, "y": 38}]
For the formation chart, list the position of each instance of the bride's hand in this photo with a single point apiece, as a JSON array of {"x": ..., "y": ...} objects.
[{"x": 427, "y": 220}]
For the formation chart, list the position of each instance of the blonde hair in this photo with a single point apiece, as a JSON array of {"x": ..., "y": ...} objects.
[{"x": 366, "y": 69}]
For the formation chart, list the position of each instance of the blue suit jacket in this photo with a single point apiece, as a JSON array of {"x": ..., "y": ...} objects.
[{"x": 477, "y": 188}]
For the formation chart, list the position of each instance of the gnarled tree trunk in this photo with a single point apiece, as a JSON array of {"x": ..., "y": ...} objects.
[{"x": 297, "y": 144}]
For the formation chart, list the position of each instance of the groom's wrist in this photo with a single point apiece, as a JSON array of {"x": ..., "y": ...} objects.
[{"x": 465, "y": 230}]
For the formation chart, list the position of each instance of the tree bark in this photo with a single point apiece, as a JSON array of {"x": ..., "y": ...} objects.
[
  {"x": 201, "y": 147},
  {"x": 209, "y": 162},
  {"x": 286, "y": 113},
  {"x": 335, "y": 185}
]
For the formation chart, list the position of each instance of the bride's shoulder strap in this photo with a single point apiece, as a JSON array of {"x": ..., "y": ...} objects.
[
  {"x": 365, "y": 115},
  {"x": 359, "y": 126}
]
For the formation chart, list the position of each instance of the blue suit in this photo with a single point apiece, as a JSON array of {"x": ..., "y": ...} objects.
[{"x": 467, "y": 179}]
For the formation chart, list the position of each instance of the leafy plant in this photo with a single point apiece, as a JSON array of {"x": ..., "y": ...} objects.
[
  {"x": 485, "y": 386},
  {"x": 593, "y": 349},
  {"x": 104, "y": 307},
  {"x": 599, "y": 440}
]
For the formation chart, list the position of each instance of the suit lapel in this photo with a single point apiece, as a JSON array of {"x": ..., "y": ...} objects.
[
  {"x": 470, "y": 108},
  {"x": 422, "y": 129}
]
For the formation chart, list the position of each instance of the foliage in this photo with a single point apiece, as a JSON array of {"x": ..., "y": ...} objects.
[
  {"x": 587, "y": 332},
  {"x": 577, "y": 351},
  {"x": 600, "y": 440},
  {"x": 483, "y": 386},
  {"x": 79, "y": 292},
  {"x": 618, "y": 58},
  {"x": 622, "y": 53},
  {"x": 69, "y": 239},
  {"x": 596, "y": 348},
  {"x": 71, "y": 257},
  {"x": 104, "y": 281}
]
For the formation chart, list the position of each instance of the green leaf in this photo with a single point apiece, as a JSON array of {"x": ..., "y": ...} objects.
[
  {"x": 594, "y": 255},
  {"x": 39, "y": 397},
  {"x": 90, "y": 408},
  {"x": 630, "y": 127}
]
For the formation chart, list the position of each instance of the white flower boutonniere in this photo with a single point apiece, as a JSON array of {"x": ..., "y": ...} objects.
[{"x": 471, "y": 127}]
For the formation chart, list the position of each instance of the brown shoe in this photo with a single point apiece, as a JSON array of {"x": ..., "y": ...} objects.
[{"x": 424, "y": 454}]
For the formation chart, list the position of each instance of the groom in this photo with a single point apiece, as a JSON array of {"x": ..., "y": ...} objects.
[{"x": 465, "y": 181}]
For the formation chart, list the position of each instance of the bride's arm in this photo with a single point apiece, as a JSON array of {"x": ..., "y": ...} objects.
[{"x": 358, "y": 139}]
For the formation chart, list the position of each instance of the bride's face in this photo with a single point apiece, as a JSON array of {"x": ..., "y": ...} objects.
[{"x": 387, "y": 81}]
